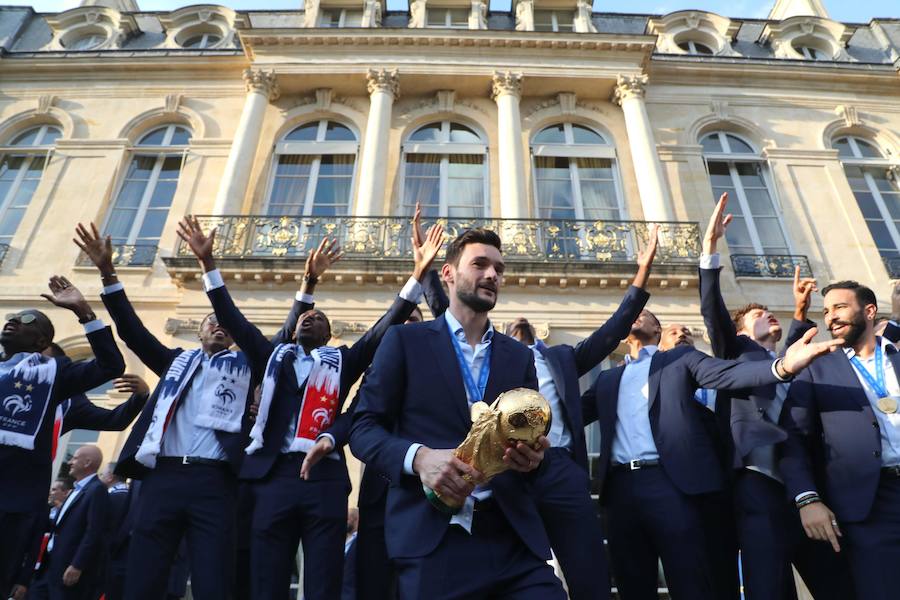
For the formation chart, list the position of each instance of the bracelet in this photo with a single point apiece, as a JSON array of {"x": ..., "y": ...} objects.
[
  {"x": 779, "y": 366},
  {"x": 808, "y": 501},
  {"x": 87, "y": 318},
  {"x": 108, "y": 276}
]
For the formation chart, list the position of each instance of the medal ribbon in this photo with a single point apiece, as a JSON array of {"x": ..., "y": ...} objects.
[
  {"x": 878, "y": 386},
  {"x": 476, "y": 392}
]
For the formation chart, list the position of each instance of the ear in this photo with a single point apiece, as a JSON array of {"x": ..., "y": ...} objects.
[
  {"x": 871, "y": 311},
  {"x": 447, "y": 273}
]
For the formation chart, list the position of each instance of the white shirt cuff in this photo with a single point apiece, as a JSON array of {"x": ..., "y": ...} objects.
[
  {"x": 810, "y": 493},
  {"x": 412, "y": 291},
  {"x": 410, "y": 457},
  {"x": 116, "y": 287},
  {"x": 212, "y": 280},
  {"x": 92, "y": 326},
  {"x": 710, "y": 261},
  {"x": 775, "y": 372},
  {"x": 329, "y": 436},
  {"x": 305, "y": 298}
]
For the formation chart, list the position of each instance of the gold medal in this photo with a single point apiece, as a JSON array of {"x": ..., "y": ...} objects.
[{"x": 887, "y": 405}]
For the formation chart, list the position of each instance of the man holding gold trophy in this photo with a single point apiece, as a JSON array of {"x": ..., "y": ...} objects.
[{"x": 429, "y": 386}]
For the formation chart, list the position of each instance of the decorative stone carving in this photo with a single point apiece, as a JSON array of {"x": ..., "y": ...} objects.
[
  {"x": 584, "y": 17},
  {"x": 567, "y": 102},
  {"x": 77, "y": 23},
  {"x": 418, "y": 14},
  {"x": 192, "y": 21},
  {"x": 45, "y": 103},
  {"x": 525, "y": 15},
  {"x": 629, "y": 86},
  {"x": 478, "y": 15},
  {"x": 310, "y": 13},
  {"x": 263, "y": 82},
  {"x": 323, "y": 98},
  {"x": 824, "y": 35},
  {"x": 720, "y": 109},
  {"x": 383, "y": 80},
  {"x": 849, "y": 114},
  {"x": 506, "y": 83},
  {"x": 445, "y": 100},
  {"x": 371, "y": 13},
  {"x": 173, "y": 101},
  {"x": 709, "y": 29}
]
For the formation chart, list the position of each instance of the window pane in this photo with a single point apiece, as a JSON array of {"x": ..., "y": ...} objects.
[
  {"x": 151, "y": 228},
  {"x": 171, "y": 167},
  {"x": 10, "y": 221},
  {"x": 180, "y": 137},
  {"x": 738, "y": 146},
  {"x": 750, "y": 175},
  {"x": 465, "y": 186},
  {"x": 842, "y": 145},
  {"x": 565, "y": 20},
  {"x": 304, "y": 133},
  {"x": 294, "y": 165},
  {"x": 465, "y": 166},
  {"x": 140, "y": 167},
  {"x": 25, "y": 192},
  {"x": 856, "y": 179},
  {"x": 543, "y": 20},
  {"x": 335, "y": 132},
  {"x": 163, "y": 194},
  {"x": 459, "y": 17},
  {"x": 154, "y": 138},
  {"x": 867, "y": 205},
  {"x": 583, "y": 135},
  {"x": 36, "y": 167},
  {"x": 332, "y": 196},
  {"x": 737, "y": 234},
  {"x": 437, "y": 17},
  {"x": 422, "y": 183},
  {"x": 882, "y": 182},
  {"x": 880, "y": 234},
  {"x": 423, "y": 165},
  {"x": 26, "y": 138},
  {"x": 427, "y": 133},
  {"x": 711, "y": 143},
  {"x": 555, "y": 134},
  {"x": 594, "y": 168},
  {"x": 720, "y": 175},
  {"x": 555, "y": 199},
  {"x": 9, "y": 167},
  {"x": 288, "y": 195},
  {"x": 759, "y": 202},
  {"x": 463, "y": 135},
  {"x": 50, "y": 136},
  {"x": 867, "y": 149},
  {"x": 131, "y": 193},
  {"x": 769, "y": 232},
  {"x": 353, "y": 18},
  {"x": 599, "y": 199},
  {"x": 336, "y": 165},
  {"x": 892, "y": 201},
  {"x": 552, "y": 167},
  {"x": 119, "y": 225}
]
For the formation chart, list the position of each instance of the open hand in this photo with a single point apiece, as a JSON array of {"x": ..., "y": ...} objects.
[
  {"x": 320, "y": 259},
  {"x": 424, "y": 254},
  {"x": 65, "y": 295},
  {"x": 802, "y": 352},
  {"x": 320, "y": 450},
  {"x": 718, "y": 223},
  {"x": 97, "y": 248},
  {"x": 131, "y": 384},
  {"x": 803, "y": 290},
  {"x": 71, "y": 576},
  {"x": 201, "y": 245}
]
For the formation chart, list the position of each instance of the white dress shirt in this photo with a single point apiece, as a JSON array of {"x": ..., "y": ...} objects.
[
  {"x": 559, "y": 435},
  {"x": 888, "y": 424}
]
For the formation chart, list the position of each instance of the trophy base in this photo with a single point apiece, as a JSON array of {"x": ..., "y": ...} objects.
[{"x": 438, "y": 503}]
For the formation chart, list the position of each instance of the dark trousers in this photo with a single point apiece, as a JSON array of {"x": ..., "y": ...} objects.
[
  {"x": 192, "y": 501},
  {"x": 649, "y": 520},
  {"x": 48, "y": 585},
  {"x": 116, "y": 569},
  {"x": 244, "y": 518},
  {"x": 287, "y": 510},
  {"x": 562, "y": 493},
  {"x": 491, "y": 563},
  {"x": 15, "y": 531},
  {"x": 873, "y": 545},
  {"x": 375, "y": 574},
  {"x": 772, "y": 538}
]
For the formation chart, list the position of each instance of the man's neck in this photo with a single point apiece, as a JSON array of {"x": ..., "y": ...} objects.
[
  {"x": 767, "y": 342},
  {"x": 865, "y": 347},
  {"x": 474, "y": 324},
  {"x": 83, "y": 477},
  {"x": 635, "y": 345}
]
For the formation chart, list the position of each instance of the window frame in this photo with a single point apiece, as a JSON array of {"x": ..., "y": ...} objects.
[
  {"x": 342, "y": 17},
  {"x": 448, "y": 19},
  {"x": 204, "y": 36},
  {"x": 317, "y": 149},
  {"x": 692, "y": 47},
  {"x": 445, "y": 148},
  {"x": 160, "y": 153},
  {"x": 554, "y": 21},
  {"x": 732, "y": 159}
]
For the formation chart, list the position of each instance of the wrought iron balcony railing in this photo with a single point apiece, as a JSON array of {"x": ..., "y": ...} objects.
[
  {"x": 525, "y": 240},
  {"x": 892, "y": 264},
  {"x": 125, "y": 255},
  {"x": 770, "y": 265},
  {"x": 4, "y": 250}
]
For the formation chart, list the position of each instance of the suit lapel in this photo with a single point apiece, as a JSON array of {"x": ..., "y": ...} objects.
[
  {"x": 445, "y": 356},
  {"x": 71, "y": 501},
  {"x": 846, "y": 372},
  {"x": 657, "y": 362}
]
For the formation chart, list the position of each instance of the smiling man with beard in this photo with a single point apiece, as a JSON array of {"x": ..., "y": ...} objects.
[{"x": 841, "y": 459}]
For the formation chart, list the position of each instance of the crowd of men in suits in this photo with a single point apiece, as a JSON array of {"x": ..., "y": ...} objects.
[{"x": 785, "y": 457}]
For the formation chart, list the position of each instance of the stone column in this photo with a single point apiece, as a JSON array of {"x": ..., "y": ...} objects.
[
  {"x": 507, "y": 89},
  {"x": 261, "y": 88},
  {"x": 384, "y": 87},
  {"x": 655, "y": 200}
]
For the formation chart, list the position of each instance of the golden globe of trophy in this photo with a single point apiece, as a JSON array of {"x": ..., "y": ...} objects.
[{"x": 519, "y": 415}]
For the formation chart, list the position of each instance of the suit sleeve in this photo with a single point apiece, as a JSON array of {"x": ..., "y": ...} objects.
[
  {"x": 135, "y": 335},
  {"x": 88, "y": 554},
  {"x": 723, "y": 336},
  {"x": 380, "y": 402},
  {"x": 84, "y": 414},
  {"x": 286, "y": 333},
  {"x": 76, "y": 378},
  {"x": 715, "y": 373},
  {"x": 892, "y": 332},
  {"x": 250, "y": 339},
  {"x": 800, "y": 419},
  {"x": 359, "y": 356},
  {"x": 589, "y": 412},
  {"x": 435, "y": 297},
  {"x": 590, "y": 352}
]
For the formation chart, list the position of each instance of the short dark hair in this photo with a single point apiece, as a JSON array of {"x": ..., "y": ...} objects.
[
  {"x": 479, "y": 235},
  {"x": 67, "y": 483},
  {"x": 864, "y": 295},
  {"x": 737, "y": 317}
]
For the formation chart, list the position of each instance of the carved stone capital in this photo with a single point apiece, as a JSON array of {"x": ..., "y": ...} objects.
[
  {"x": 383, "y": 80},
  {"x": 630, "y": 86},
  {"x": 45, "y": 103},
  {"x": 263, "y": 82},
  {"x": 506, "y": 83}
]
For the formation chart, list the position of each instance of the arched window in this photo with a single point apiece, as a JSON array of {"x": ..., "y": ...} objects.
[
  {"x": 737, "y": 168},
  {"x": 313, "y": 172},
  {"x": 811, "y": 52},
  {"x": 445, "y": 170},
  {"x": 877, "y": 193},
  {"x": 694, "y": 47},
  {"x": 22, "y": 163},
  {"x": 141, "y": 209},
  {"x": 575, "y": 174}
]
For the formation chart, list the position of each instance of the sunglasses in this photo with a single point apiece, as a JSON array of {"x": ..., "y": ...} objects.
[{"x": 24, "y": 319}]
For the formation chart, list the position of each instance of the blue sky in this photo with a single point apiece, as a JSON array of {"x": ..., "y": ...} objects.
[{"x": 841, "y": 10}]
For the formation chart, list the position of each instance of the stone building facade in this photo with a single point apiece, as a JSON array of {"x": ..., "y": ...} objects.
[{"x": 565, "y": 129}]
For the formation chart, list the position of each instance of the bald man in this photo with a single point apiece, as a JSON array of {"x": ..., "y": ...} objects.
[{"x": 70, "y": 566}]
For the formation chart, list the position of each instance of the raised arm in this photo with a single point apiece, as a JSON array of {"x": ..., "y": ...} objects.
[
  {"x": 250, "y": 339},
  {"x": 84, "y": 414},
  {"x": 76, "y": 378},
  {"x": 131, "y": 330},
  {"x": 435, "y": 297},
  {"x": 590, "y": 352},
  {"x": 803, "y": 288},
  {"x": 318, "y": 261},
  {"x": 723, "y": 336}
]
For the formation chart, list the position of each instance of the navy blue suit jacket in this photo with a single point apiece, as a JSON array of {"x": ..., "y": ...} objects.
[
  {"x": 833, "y": 437},
  {"x": 414, "y": 392},
  {"x": 287, "y": 395},
  {"x": 81, "y": 535},
  {"x": 158, "y": 357},
  {"x": 741, "y": 415},
  {"x": 688, "y": 451},
  {"x": 25, "y": 474}
]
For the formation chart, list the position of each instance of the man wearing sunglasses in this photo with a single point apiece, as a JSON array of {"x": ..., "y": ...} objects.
[{"x": 32, "y": 389}]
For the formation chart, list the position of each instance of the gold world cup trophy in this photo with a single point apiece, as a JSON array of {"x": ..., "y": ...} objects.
[{"x": 519, "y": 415}]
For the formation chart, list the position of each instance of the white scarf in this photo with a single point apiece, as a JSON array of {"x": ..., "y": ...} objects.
[
  {"x": 25, "y": 390},
  {"x": 223, "y": 397},
  {"x": 319, "y": 405}
]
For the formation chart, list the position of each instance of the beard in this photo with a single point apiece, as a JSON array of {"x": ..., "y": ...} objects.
[
  {"x": 856, "y": 328},
  {"x": 468, "y": 295}
]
